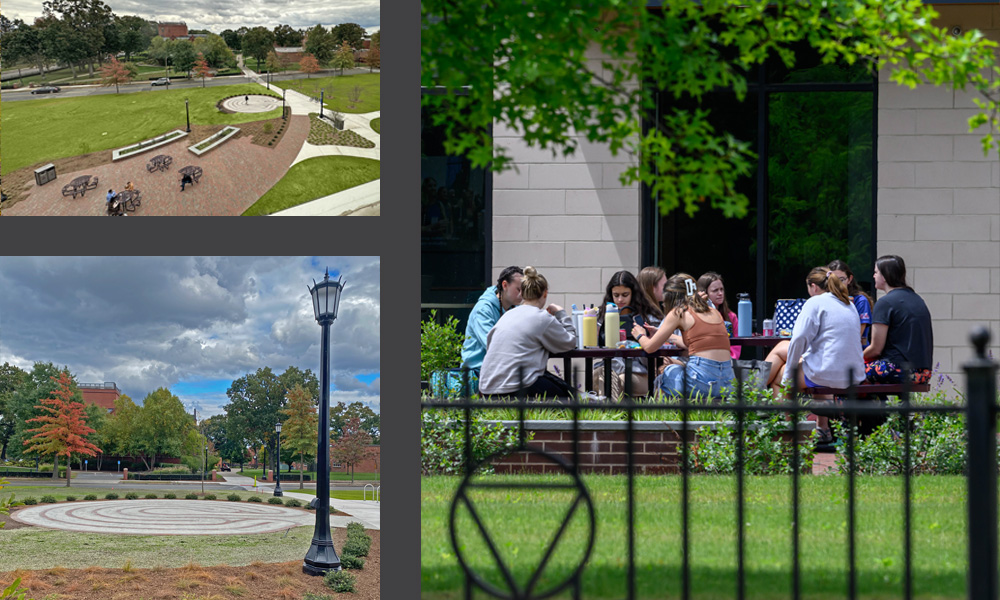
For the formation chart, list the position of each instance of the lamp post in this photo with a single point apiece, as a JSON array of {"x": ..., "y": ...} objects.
[
  {"x": 283, "y": 115},
  {"x": 203, "y": 464},
  {"x": 321, "y": 556},
  {"x": 321, "y": 90},
  {"x": 277, "y": 485},
  {"x": 187, "y": 111}
]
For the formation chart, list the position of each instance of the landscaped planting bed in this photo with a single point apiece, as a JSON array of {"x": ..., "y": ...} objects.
[
  {"x": 321, "y": 133},
  {"x": 214, "y": 140},
  {"x": 143, "y": 146}
]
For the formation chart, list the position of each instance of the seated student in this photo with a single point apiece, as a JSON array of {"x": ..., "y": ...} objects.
[
  {"x": 709, "y": 370},
  {"x": 823, "y": 341},
  {"x": 518, "y": 346},
  {"x": 902, "y": 336},
  {"x": 624, "y": 291},
  {"x": 495, "y": 300},
  {"x": 861, "y": 300},
  {"x": 652, "y": 280},
  {"x": 712, "y": 286}
]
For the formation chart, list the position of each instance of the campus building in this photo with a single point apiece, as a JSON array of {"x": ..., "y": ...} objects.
[
  {"x": 851, "y": 166},
  {"x": 101, "y": 394},
  {"x": 173, "y": 31}
]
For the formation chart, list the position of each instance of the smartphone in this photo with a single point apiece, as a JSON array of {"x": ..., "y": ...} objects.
[{"x": 638, "y": 320}]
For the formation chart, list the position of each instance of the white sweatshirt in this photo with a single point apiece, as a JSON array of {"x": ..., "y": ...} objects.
[
  {"x": 520, "y": 343},
  {"x": 825, "y": 337}
]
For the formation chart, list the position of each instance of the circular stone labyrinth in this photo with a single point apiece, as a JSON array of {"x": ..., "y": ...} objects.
[
  {"x": 257, "y": 103},
  {"x": 164, "y": 517}
]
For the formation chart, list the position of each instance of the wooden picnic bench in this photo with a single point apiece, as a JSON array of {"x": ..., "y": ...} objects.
[
  {"x": 80, "y": 185},
  {"x": 889, "y": 389},
  {"x": 160, "y": 162}
]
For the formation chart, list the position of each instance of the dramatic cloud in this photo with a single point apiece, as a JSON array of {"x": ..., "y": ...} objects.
[
  {"x": 216, "y": 16},
  {"x": 192, "y": 324}
]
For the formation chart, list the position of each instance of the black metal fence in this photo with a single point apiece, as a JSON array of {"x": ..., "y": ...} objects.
[{"x": 980, "y": 411}]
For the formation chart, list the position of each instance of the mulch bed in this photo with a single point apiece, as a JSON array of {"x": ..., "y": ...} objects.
[
  {"x": 264, "y": 581},
  {"x": 323, "y": 134}
]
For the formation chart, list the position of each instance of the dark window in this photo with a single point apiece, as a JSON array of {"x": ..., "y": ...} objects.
[
  {"x": 455, "y": 227},
  {"x": 812, "y": 196}
]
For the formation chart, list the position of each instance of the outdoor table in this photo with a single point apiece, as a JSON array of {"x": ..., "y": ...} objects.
[
  {"x": 589, "y": 354},
  {"x": 130, "y": 199},
  {"x": 116, "y": 208},
  {"x": 193, "y": 171},
  {"x": 757, "y": 340},
  {"x": 160, "y": 162},
  {"x": 80, "y": 185}
]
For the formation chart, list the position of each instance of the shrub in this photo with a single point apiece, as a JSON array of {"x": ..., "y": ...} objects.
[
  {"x": 273, "y": 500},
  {"x": 170, "y": 495},
  {"x": 233, "y": 497},
  {"x": 349, "y": 561},
  {"x": 268, "y": 127},
  {"x": 355, "y": 528},
  {"x": 90, "y": 497},
  {"x": 312, "y": 596},
  {"x": 29, "y": 501},
  {"x": 357, "y": 546},
  {"x": 254, "y": 499},
  {"x": 131, "y": 496},
  {"x": 150, "y": 496},
  {"x": 442, "y": 442},
  {"x": 70, "y": 498},
  {"x": 209, "y": 497},
  {"x": 111, "y": 496},
  {"x": 339, "y": 581},
  {"x": 293, "y": 502},
  {"x": 191, "y": 496},
  {"x": 765, "y": 452},
  {"x": 47, "y": 499},
  {"x": 440, "y": 345}
]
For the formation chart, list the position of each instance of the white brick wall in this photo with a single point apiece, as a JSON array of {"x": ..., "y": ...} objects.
[
  {"x": 568, "y": 216},
  {"x": 939, "y": 202}
]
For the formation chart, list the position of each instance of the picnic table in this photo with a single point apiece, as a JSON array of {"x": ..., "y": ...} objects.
[
  {"x": 589, "y": 354},
  {"x": 130, "y": 199},
  {"x": 193, "y": 171},
  {"x": 116, "y": 208},
  {"x": 160, "y": 162},
  {"x": 766, "y": 341},
  {"x": 80, "y": 185}
]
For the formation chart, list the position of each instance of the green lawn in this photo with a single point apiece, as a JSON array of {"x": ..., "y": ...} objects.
[
  {"x": 522, "y": 522},
  {"x": 314, "y": 178},
  {"x": 43, "y": 130},
  {"x": 377, "y": 125},
  {"x": 334, "y": 494},
  {"x": 337, "y": 89},
  {"x": 333, "y": 476}
]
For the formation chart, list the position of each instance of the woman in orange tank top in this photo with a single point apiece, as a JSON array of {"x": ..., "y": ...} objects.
[{"x": 709, "y": 371}]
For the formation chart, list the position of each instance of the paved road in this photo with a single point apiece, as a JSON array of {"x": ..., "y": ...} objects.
[{"x": 70, "y": 91}]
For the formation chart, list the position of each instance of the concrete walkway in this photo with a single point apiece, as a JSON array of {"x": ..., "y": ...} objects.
[{"x": 366, "y": 511}]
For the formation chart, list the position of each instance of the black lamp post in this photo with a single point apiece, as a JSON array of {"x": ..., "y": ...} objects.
[
  {"x": 277, "y": 485},
  {"x": 187, "y": 111},
  {"x": 321, "y": 90},
  {"x": 283, "y": 115},
  {"x": 322, "y": 557}
]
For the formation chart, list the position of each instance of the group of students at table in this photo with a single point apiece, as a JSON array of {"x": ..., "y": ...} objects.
[{"x": 841, "y": 337}]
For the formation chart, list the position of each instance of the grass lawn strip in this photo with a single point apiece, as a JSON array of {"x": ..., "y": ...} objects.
[
  {"x": 377, "y": 125},
  {"x": 337, "y": 88},
  {"x": 315, "y": 178},
  {"x": 322, "y": 133},
  {"x": 333, "y": 476},
  {"x": 43, "y": 130},
  {"x": 523, "y": 521}
]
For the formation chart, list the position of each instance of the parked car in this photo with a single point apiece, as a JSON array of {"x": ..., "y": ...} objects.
[
  {"x": 225, "y": 467},
  {"x": 46, "y": 89},
  {"x": 161, "y": 81}
]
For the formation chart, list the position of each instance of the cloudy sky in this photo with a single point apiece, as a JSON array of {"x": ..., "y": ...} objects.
[
  {"x": 217, "y": 15},
  {"x": 192, "y": 324}
]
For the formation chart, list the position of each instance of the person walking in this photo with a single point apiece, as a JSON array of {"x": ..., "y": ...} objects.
[
  {"x": 185, "y": 180},
  {"x": 246, "y": 99}
]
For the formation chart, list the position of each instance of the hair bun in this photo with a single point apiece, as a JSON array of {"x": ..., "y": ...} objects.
[{"x": 530, "y": 272}]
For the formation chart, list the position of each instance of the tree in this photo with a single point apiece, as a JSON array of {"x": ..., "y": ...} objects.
[
  {"x": 344, "y": 58},
  {"x": 216, "y": 52},
  {"x": 540, "y": 85},
  {"x": 374, "y": 58},
  {"x": 134, "y": 34},
  {"x": 183, "y": 56},
  {"x": 285, "y": 36},
  {"x": 201, "y": 68},
  {"x": 352, "y": 33},
  {"x": 161, "y": 49},
  {"x": 273, "y": 63},
  {"x": 89, "y": 18},
  {"x": 11, "y": 378},
  {"x": 114, "y": 73},
  {"x": 377, "y": 39},
  {"x": 308, "y": 65},
  {"x": 320, "y": 44},
  {"x": 342, "y": 413},
  {"x": 161, "y": 428},
  {"x": 39, "y": 384},
  {"x": 63, "y": 431},
  {"x": 120, "y": 435},
  {"x": 257, "y": 43},
  {"x": 301, "y": 427},
  {"x": 232, "y": 39},
  {"x": 218, "y": 431},
  {"x": 352, "y": 447},
  {"x": 97, "y": 419}
]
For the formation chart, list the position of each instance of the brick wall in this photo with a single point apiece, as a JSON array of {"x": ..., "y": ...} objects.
[{"x": 939, "y": 201}]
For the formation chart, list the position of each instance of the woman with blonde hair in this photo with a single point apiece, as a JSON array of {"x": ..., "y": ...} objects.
[
  {"x": 709, "y": 369},
  {"x": 518, "y": 346}
]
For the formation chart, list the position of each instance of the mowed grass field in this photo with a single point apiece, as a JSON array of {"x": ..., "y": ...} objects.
[
  {"x": 315, "y": 178},
  {"x": 42, "y": 130},
  {"x": 522, "y": 522},
  {"x": 337, "y": 88}
]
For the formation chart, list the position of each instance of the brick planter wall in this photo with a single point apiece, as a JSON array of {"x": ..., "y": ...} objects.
[{"x": 603, "y": 449}]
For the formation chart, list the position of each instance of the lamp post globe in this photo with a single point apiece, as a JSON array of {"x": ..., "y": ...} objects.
[
  {"x": 277, "y": 484},
  {"x": 321, "y": 557}
]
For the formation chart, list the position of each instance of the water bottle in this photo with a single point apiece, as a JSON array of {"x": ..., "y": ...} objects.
[
  {"x": 578, "y": 326},
  {"x": 610, "y": 325},
  {"x": 589, "y": 327},
  {"x": 744, "y": 310}
]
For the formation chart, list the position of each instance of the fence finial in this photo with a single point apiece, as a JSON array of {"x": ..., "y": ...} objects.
[{"x": 980, "y": 338}]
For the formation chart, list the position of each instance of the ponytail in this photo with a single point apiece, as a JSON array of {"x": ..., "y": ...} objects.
[{"x": 828, "y": 282}]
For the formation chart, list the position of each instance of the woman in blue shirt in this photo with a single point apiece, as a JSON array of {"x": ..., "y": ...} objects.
[{"x": 861, "y": 300}]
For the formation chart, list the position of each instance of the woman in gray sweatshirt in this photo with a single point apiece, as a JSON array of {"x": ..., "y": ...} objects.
[{"x": 518, "y": 346}]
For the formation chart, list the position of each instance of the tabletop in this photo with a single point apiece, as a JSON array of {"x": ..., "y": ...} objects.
[{"x": 81, "y": 180}]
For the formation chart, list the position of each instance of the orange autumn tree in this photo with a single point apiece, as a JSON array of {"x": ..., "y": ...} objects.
[
  {"x": 201, "y": 68},
  {"x": 308, "y": 65},
  {"x": 64, "y": 430}
]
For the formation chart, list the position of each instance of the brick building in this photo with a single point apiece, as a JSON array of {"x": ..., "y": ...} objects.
[
  {"x": 101, "y": 394},
  {"x": 173, "y": 31}
]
